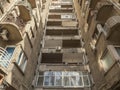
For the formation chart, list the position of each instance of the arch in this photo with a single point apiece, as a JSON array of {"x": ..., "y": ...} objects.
[
  {"x": 25, "y": 11},
  {"x": 112, "y": 28},
  {"x": 104, "y": 11},
  {"x": 33, "y": 3},
  {"x": 13, "y": 31},
  {"x": 93, "y": 3}
]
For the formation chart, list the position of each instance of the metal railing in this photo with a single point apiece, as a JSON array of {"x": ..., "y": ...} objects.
[{"x": 4, "y": 58}]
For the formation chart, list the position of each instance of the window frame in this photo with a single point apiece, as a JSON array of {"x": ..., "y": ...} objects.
[
  {"x": 110, "y": 49},
  {"x": 97, "y": 33},
  {"x": 117, "y": 51},
  {"x": 81, "y": 75},
  {"x": 19, "y": 60},
  {"x": 1, "y": 8}
]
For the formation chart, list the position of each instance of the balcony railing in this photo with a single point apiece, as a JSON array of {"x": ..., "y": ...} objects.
[{"x": 5, "y": 56}]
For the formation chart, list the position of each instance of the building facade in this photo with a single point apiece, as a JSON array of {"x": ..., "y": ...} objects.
[
  {"x": 63, "y": 63},
  {"x": 100, "y": 28},
  {"x": 20, "y": 36},
  {"x": 60, "y": 44}
]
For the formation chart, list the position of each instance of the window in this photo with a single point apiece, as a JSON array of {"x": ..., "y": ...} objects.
[
  {"x": 32, "y": 34},
  {"x": 22, "y": 61},
  {"x": 107, "y": 61},
  {"x": 80, "y": 2},
  {"x": 118, "y": 50},
  {"x": 1, "y": 8},
  {"x": 66, "y": 16},
  {"x": 64, "y": 79},
  {"x": 97, "y": 32},
  {"x": 8, "y": 1}
]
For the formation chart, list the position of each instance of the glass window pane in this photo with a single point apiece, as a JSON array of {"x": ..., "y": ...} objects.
[
  {"x": 19, "y": 58},
  {"x": 66, "y": 73},
  {"x": 107, "y": 61},
  {"x": 49, "y": 73},
  {"x": 58, "y": 73},
  {"x": 46, "y": 81},
  {"x": 86, "y": 80},
  {"x": 52, "y": 80},
  {"x": 79, "y": 81},
  {"x": 46, "y": 73},
  {"x": 80, "y": 73},
  {"x": 73, "y": 80},
  {"x": 23, "y": 64},
  {"x": 66, "y": 81},
  {"x": 40, "y": 81},
  {"x": 74, "y": 73},
  {"x": 118, "y": 50},
  {"x": 58, "y": 81}
]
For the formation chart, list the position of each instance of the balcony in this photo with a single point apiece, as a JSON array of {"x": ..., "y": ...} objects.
[
  {"x": 61, "y": 28},
  {"x": 10, "y": 32},
  {"x": 103, "y": 7},
  {"x": 64, "y": 80},
  {"x": 62, "y": 17},
  {"x": 22, "y": 9},
  {"x": 51, "y": 58},
  {"x": 61, "y": 32},
  {"x": 19, "y": 17},
  {"x": 61, "y": 10},
  {"x": 67, "y": 23},
  {"x": 65, "y": 57},
  {"x": 60, "y": 7},
  {"x": 93, "y": 3},
  {"x": 25, "y": 10},
  {"x": 112, "y": 27},
  {"x": 63, "y": 38},
  {"x": 68, "y": 43},
  {"x": 5, "y": 56},
  {"x": 33, "y": 3},
  {"x": 60, "y": 2},
  {"x": 111, "y": 64},
  {"x": 71, "y": 43},
  {"x": 12, "y": 55},
  {"x": 62, "y": 50}
]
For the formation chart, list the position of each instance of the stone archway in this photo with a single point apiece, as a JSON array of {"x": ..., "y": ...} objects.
[
  {"x": 104, "y": 12},
  {"x": 112, "y": 28}
]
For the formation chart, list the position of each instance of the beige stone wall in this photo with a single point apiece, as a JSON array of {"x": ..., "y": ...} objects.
[
  {"x": 97, "y": 71},
  {"x": 31, "y": 47}
]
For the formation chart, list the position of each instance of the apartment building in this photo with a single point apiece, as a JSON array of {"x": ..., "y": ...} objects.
[
  {"x": 20, "y": 36},
  {"x": 100, "y": 28},
  {"x": 63, "y": 63},
  {"x": 59, "y": 44}
]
